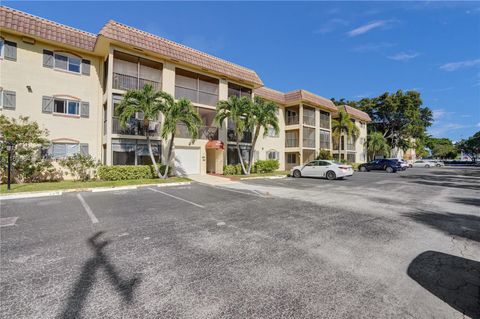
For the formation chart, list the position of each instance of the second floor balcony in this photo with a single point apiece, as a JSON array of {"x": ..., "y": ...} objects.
[
  {"x": 128, "y": 82},
  {"x": 204, "y": 132},
  {"x": 246, "y": 136},
  {"x": 134, "y": 127}
]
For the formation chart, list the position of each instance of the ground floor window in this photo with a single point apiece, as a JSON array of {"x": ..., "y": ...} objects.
[
  {"x": 324, "y": 139},
  {"x": 134, "y": 152},
  {"x": 232, "y": 154},
  {"x": 351, "y": 157},
  {"x": 291, "y": 158},
  {"x": 64, "y": 150},
  {"x": 273, "y": 155}
]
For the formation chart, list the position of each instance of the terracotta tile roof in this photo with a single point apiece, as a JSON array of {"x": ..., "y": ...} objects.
[
  {"x": 270, "y": 94},
  {"x": 38, "y": 27},
  {"x": 356, "y": 113},
  {"x": 143, "y": 40}
]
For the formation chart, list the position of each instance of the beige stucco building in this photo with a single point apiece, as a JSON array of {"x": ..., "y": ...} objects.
[{"x": 70, "y": 82}]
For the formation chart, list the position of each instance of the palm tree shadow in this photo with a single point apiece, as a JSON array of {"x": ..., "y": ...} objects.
[
  {"x": 455, "y": 280},
  {"x": 88, "y": 277}
]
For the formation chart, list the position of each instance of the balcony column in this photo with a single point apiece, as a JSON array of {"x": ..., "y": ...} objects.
[
  {"x": 168, "y": 86},
  {"x": 300, "y": 131},
  {"x": 317, "y": 131},
  {"x": 109, "y": 86},
  {"x": 222, "y": 132}
]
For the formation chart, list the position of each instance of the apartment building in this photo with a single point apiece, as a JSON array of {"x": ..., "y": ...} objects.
[
  {"x": 352, "y": 148},
  {"x": 70, "y": 82}
]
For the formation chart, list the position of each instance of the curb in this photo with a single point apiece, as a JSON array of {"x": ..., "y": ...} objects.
[
  {"x": 92, "y": 190},
  {"x": 264, "y": 177}
]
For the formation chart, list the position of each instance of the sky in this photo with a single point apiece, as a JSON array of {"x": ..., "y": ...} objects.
[{"x": 334, "y": 49}]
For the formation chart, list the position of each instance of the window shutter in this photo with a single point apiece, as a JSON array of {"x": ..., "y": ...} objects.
[
  {"x": 84, "y": 109},
  {"x": 10, "y": 50},
  {"x": 86, "y": 67},
  {"x": 47, "y": 104},
  {"x": 47, "y": 59},
  {"x": 9, "y": 100},
  {"x": 84, "y": 148}
]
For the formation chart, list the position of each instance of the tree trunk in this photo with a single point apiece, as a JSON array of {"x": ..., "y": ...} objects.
[
  {"x": 345, "y": 145},
  {"x": 152, "y": 158},
  {"x": 169, "y": 156},
  {"x": 340, "y": 147},
  {"x": 240, "y": 155},
  {"x": 252, "y": 151}
]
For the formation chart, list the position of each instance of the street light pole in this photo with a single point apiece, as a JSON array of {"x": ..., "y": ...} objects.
[{"x": 9, "y": 151}]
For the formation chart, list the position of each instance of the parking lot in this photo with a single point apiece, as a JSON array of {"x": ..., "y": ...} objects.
[{"x": 375, "y": 245}]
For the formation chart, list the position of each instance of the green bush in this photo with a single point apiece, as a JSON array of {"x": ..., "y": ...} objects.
[
  {"x": 81, "y": 167},
  {"x": 125, "y": 172},
  {"x": 265, "y": 166},
  {"x": 324, "y": 155},
  {"x": 229, "y": 170}
]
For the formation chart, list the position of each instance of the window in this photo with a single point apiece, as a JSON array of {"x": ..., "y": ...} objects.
[
  {"x": 313, "y": 163},
  {"x": 2, "y": 48},
  {"x": 273, "y": 155},
  {"x": 324, "y": 139},
  {"x": 238, "y": 90},
  {"x": 134, "y": 152},
  {"x": 308, "y": 116},
  {"x": 232, "y": 154},
  {"x": 67, "y": 63},
  {"x": 197, "y": 88},
  {"x": 66, "y": 107},
  {"x": 63, "y": 150},
  {"x": 351, "y": 157},
  {"x": 324, "y": 119},
  {"x": 271, "y": 132},
  {"x": 323, "y": 163},
  {"x": 292, "y": 158},
  {"x": 291, "y": 139}
]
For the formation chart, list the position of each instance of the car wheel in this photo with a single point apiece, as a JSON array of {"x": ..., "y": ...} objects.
[
  {"x": 297, "y": 174},
  {"x": 427, "y": 166},
  {"x": 331, "y": 175},
  {"x": 438, "y": 165},
  {"x": 389, "y": 169},
  {"x": 363, "y": 169},
  {"x": 410, "y": 165}
]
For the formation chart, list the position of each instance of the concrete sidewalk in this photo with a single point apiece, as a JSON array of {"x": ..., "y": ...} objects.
[{"x": 210, "y": 179}]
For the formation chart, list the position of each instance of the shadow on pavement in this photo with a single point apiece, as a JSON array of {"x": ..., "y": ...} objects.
[
  {"x": 453, "y": 279},
  {"x": 87, "y": 279},
  {"x": 467, "y": 201},
  {"x": 443, "y": 181},
  {"x": 460, "y": 225}
]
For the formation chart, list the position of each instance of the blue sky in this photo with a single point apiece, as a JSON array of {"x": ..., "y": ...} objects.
[{"x": 334, "y": 49}]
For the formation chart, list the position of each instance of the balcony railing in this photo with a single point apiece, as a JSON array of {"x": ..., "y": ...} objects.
[
  {"x": 309, "y": 120},
  {"x": 128, "y": 82},
  {"x": 246, "y": 138},
  {"x": 204, "y": 132},
  {"x": 291, "y": 142},
  {"x": 309, "y": 142},
  {"x": 291, "y": 120},
  {"x": 134, "y": 127}
]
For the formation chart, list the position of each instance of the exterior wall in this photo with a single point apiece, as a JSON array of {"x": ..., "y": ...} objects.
[
  {"x": 28, "y": 70},
  {"x": 360, "y": 150}
]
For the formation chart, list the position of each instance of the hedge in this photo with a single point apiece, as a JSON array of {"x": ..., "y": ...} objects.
[
  {"x": 232, "y": 169},
  {"x": 265, "y": 166},
  {"x": 125, "y": 172}
]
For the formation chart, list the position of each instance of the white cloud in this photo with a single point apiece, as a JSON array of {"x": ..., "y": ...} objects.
[
  {"x": 331, "y": 25},
  {"x": 442, "y": 129},
  {"x": 453, "y": 66},
  {"x": 441, "y": 113},
  {"x": 373, "y": 47},
  {"x": 367, "y": 27},
  {"x": 403, "y": 56}
]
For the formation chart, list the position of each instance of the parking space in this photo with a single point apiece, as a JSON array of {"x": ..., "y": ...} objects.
[{"x": 371, "y": 246}]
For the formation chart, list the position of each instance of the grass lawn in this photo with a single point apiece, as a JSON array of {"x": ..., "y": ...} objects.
[{"x": 35, "y": 187}]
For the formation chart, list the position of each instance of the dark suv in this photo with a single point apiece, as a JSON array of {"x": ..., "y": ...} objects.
[{"x": 388, "y": 165}]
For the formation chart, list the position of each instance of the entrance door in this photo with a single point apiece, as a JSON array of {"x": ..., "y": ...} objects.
[{"x": 187, "y": 161}]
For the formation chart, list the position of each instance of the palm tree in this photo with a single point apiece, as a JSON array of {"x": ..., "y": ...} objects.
[
  {"x": 235, "y": 109},
  {"x": 178, "y": 112},
  {"x": 343, "y": 126},
  {"x": 376, "y": 143},
  {"x": 263, "y": 115},
  {"x": 146, "y": 101}
]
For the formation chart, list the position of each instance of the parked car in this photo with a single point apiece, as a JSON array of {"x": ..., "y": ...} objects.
[
  {"x": 322, "y": 168},
  {"x": 438, "y": 163},
  {"x": 388, "y": 165},
  {"x": 403, "y": 164},
  {"x": 423, "y": 163}
]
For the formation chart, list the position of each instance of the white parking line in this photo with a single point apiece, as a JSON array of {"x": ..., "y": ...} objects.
[
  {"x": 183, "y": 200},
  {"x": 257, "y": 194},
  {"x": 87, "y": 209}
]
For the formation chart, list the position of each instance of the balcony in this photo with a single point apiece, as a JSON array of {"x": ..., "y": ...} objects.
[
  {"x": 134, "y": 127},
  {"x": 291, "y": 120},
  {"x": 246, "y": 138},
  {"x": 350, "y": 146},
  {"x": 128, "y": 82},
  {"x": 309, "y": 142},
  {"x": 204, "y": 132}
]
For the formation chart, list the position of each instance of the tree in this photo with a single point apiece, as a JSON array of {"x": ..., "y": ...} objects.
[
  {"x": 235, "y": 109},
  {"x": 150, "y": 103},
  {"x": 441, "y": 147},
  {"x": 178, "y": 112},
  {"x": 471, "y": 146},
  {"x": 376, "y": 144},
  {"x": 324, "y": 155},
  {"x": 343, "y": 126},
  {"x": 80, "y": 166},
  {"x": 28, "y": 162},
  {"x": 262, "y": 114},
  {"x": 399, "y": 116}
]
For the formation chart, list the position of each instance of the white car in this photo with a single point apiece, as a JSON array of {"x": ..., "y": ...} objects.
[
  {"x": 438, "y": 163},
  {"x": 423, "y": 163},
  {"x": 322, "y": 168}
]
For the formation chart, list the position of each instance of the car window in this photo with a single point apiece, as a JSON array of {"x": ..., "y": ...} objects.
[
  {"x": 419, "y": 162},
  {"x": 323, "y": 163},
  {"x": 313, "y": 163}
]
